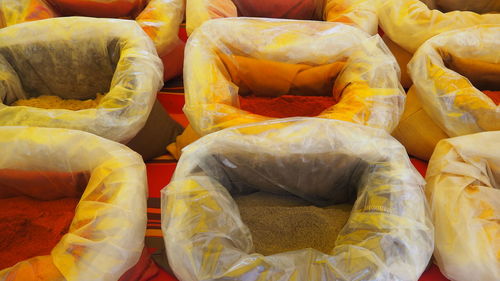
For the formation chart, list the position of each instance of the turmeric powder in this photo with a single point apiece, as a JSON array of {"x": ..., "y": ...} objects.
[{"x": 55, "y": 102}]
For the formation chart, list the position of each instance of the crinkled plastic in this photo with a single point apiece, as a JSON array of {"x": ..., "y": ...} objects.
[
  {"x": 106, "y": 236},
  {"x": 388, "y": 236},
  {"x": 450, "y": 99},
  {"x": 410, "y": 23},
  {"x": 359, "y": 13},
  {"x": 271, "y": 55},
  {"x": 76, "y": 58},
  {"x": 463, "y": 190},
  {"x": 160, "y": 19},
  {"x": 18, "y": 11}
]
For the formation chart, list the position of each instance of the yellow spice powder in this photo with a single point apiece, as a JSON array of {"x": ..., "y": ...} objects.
[{"x": 55, "y": 102}]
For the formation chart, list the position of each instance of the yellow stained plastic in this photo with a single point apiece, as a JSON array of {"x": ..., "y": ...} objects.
[
  {"x": 368, "y": 85},
  {"x": 388, "y": 236},
  {"x": 463, "y": 181},
  {"x": 106, "y": 236},
  {"x": 359, "y": 13},
  {"x": 410, "y": 23},
  {"x": 76, "y": 58},
  {"x": 450, "y": 99}
]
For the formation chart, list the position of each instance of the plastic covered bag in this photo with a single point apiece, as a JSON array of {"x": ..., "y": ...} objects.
[
  {"x": 463, "y": 189},
  {"x": 410, "y": 23},
  {"x": 356, "y": 12},
  {"x": 160, "y": 19},
  {"x": 106, "y": 236},
  {"x": 229, "y": 57},
  {"x": 77, "y": 58},
  {"x": 451, "y": 70},
  {"x": 389, "y": 235},
  {"x": 17, "y": 11}
]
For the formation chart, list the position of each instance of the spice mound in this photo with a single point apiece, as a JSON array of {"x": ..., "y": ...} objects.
[
  {"x": 286, "y": 105},
  {"x": 30, "y": 227},
  {"x": 55, "y": 102},
  {"x": 493, "y": 95},
  {"x": 286, "y": 223}
]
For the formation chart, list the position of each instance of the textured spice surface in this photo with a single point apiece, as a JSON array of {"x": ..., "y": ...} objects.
[
  {"x": 286, "y": 106},
  {"x": 494, "y": 96},
  {"x": 30, "y": 227},
  {"x": 55, "y": 102},
  {"x": 286, "y": 223}
]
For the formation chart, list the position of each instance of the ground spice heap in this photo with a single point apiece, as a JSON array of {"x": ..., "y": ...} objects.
[
  {"x": 286, "y": 105},
  {"x": 55, "y": 102},
  {"x": 30, "y": 227},
  {"x": 286, "y": 223},
  {"x": 493, "y": 95}
]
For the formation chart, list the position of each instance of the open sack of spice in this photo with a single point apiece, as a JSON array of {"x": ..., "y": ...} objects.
[
  {"x": 94, "y": 75},
  {"x": 358, "y": 13},
  {"x": 240, "y": 71},
  {"x": 160, "y": 19},
  {"x": 463, "y": 190},
  {"x": 407, "y": 24},
  {"x": 456, "y": 89},
  {"x": 72, "y": 206},
  {"x": 267, "y": 201}
]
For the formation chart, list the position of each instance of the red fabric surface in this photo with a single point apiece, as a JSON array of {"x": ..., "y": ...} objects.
[
  {"x": 173, "y": 104},
  {"x": 159, "y": 175}
]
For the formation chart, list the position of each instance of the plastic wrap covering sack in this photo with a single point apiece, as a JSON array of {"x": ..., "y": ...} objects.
[
  {"x": 99, "y": 8},
  {"x": 160, "y": 19},
  {"x": 356, "y": 12},
  {"x": 18, "y": 11},
  {"x": 106, "y": 236},
  {"x": 446, "y": 71},
  {"x": 410, "y": 23},
  {"x": 76, "y": 58},
  {"x": 389, "y": 235},
  {"x": 463, "y": 189},
  {"x": 274, "y": 57}
]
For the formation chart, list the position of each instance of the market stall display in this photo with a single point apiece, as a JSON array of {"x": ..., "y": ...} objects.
[
  {"x": 272, "y": 58},
  {"x": 463, "y": 192},
  {"x": 388, "y": 236},
  {"x": 79, "y": 58},
  {"x": 407, "y": 24},
  {"x": 456, "y": 90},
  {"x": 160, "y": 19},
  {"x": 50, "y": 170},
  {"x": 358, "y": 13}
]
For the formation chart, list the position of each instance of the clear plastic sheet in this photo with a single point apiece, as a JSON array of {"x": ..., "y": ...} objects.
[
  {"x": 410, "y": 23},
  {"x": 359, "y": 13},
  {"x": 367, "y": 87},
  {"x": 452, "y": 100},
  {"x": 463, "y": 190},
  {"x": 76, "y": 58},
  {"x": 17, "y": 11},
  {"x": 389, "y": 235},
  {"x": 106, "y": 236},
  {"x": 160, "y": 19}
]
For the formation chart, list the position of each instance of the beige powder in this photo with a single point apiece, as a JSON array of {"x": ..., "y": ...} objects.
[{"x": 285, "y": 223}]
